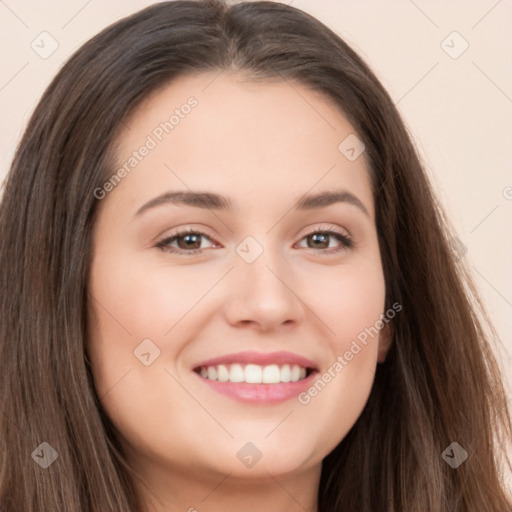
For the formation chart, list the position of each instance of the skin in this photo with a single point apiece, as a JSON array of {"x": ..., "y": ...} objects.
[{"x": 264, "y": 145}]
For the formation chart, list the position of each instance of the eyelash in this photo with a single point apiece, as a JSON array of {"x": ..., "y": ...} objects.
[{"x": 345, "y": 239}]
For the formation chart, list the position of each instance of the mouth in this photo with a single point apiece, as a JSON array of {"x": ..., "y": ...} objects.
[
  {"x": 257, "y": 378},
  {"x": 254, "y": 374}
]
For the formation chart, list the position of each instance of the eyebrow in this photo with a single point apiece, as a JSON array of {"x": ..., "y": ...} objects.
[{"x": 211, "y": 201}]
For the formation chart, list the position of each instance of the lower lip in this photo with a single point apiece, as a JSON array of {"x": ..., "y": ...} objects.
[{"x": 260, "y": 393}]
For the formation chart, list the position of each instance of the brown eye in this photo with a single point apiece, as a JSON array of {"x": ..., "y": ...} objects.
[
  {"x": 321, "y": 240},
  {"x": 188, "y": 242}
]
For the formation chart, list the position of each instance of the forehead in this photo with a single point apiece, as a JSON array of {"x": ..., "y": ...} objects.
[{"x": 221, "y": 132}]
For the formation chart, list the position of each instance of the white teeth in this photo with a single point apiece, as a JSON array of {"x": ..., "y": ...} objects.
[
  {"x": 236, "y": 373},
  {"x": 271, "y": 374},
  {"x": 222, "y": 373},
  {"x": 212, "y": 373},
  {"x": 253, "y": 373},
  {"x": 286, "y": 374}
]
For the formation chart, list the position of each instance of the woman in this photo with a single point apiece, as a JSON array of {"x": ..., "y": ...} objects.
[{"x": 260, "y": 371}]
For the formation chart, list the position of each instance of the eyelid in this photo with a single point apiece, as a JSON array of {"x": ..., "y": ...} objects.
[
  {"x": 188, "y": 228},
  {"x": 313, "y": 228}
]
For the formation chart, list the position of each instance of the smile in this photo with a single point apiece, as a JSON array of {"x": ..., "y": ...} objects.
[
  {"x": 254, "y": 374},
  {"x": 258, "y": 378}
]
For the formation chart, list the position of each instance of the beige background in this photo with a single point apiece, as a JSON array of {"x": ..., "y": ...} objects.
[{"x": 459, "y": 110}]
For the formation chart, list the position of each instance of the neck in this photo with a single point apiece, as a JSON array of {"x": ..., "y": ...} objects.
[{"x": 189, "y": 491}]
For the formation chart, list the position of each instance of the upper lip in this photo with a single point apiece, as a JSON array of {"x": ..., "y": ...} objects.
[{"x": 259, "y": 358}]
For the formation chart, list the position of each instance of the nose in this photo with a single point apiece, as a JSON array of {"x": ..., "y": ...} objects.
[{"x": 264, "y": 294}]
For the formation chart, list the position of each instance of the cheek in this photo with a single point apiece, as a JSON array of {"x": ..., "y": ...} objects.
[
  {"x": 129, "y": 307},
  {"x": 135, "y": 300},
  {"x": 349, "y": 301},
  {"x": 131, "y": 302}
]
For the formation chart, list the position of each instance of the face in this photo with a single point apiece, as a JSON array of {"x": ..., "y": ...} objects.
[{"x": 236, "y": 347}]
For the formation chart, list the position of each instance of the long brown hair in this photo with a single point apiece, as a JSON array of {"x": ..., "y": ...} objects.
[{"x": 440, "y": 383}]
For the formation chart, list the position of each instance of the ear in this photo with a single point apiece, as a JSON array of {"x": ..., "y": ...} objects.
[{"x": 385, "y": 341}]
